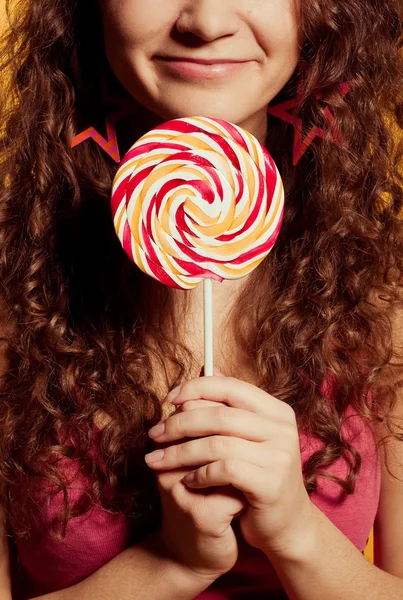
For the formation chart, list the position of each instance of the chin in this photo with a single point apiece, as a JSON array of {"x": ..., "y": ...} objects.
[{"x": 193, "y": 107}]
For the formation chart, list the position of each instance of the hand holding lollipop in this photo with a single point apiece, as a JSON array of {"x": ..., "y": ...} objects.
[{"x": 197, "y": 199}]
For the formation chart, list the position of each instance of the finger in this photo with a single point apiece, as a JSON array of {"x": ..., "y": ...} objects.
[
  {"x": 225, "y": 498},
  {"x": 192, "y": 404},
  {"x": 168, "y": 480},
  {"x": 169, "y": 409},
  {"x": 235, "y": 393},
  {"x": 208, "y": 449},
  {"x": 224, "y": 503},
  {"x": 217, "y": 419},
  {"x": 248, "y": 478}
]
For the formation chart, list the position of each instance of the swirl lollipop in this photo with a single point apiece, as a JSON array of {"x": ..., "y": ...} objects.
[{"x": 197, "y": 199}]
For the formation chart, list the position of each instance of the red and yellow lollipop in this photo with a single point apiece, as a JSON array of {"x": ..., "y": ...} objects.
[{"x": 197, "y": 199}]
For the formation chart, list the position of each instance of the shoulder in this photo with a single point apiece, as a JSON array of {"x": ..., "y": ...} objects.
[
  {"x": 389, "y": 432},
  {"x": 389, "y": 518},
  {"x": 388, "y": 428},
  {"x": 5, "y": 582}
]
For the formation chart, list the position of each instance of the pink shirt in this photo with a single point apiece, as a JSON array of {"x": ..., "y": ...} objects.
[{"x": 47, "y": 564}]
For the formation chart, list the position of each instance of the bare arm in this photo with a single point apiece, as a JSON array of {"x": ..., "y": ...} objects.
[
  {"x": 329, "y": 566},
  {"x": 5, "y": 583},
  {"x": 141, "y": 572},
  {"x": 5, "y": 580}
]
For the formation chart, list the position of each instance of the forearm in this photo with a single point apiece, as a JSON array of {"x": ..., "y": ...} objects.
[
  {"x": 5, "y": 583},
  {"x": 327, "y": 565},
  {"x": 139, "y": 573},
  {"x": 5, "y": 579}
]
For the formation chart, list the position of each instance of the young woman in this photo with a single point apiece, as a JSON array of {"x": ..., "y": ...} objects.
[{"x": 270, "y": 475}]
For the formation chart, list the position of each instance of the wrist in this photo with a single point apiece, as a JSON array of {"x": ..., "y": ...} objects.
[
  {"x": 298, "y": 544},
  {"x": 190, "y": 577}
]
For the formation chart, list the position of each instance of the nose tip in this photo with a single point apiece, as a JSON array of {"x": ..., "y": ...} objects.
[{"x": 208, "y": 20}]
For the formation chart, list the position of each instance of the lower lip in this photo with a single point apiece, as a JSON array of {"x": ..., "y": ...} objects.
[{"x": 202, "y": 71}]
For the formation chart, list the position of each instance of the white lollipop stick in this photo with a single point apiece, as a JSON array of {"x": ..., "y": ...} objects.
[{"x": 208, "y": 327}]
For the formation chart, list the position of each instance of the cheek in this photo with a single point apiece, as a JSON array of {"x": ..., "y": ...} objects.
[
  {"x": 279, "y": 34},
  {"x": 128, "y": 24}
]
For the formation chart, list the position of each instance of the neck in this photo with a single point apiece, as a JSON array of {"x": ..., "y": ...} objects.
[
  {"x": 142, "y": 120},
  {"x": 188, "y": 309},
  {"x": 225, "y": 295}
]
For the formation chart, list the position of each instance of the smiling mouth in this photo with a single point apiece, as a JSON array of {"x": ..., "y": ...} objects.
[{"x": 198, "y": 68}]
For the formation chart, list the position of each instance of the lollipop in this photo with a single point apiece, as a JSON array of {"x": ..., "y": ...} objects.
[{"x": 197, "y": 199}]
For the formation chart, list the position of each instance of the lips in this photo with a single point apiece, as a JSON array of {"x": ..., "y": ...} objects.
[
  {"x": 202, "y": 61},
  {"x": 203, "y": 68}
]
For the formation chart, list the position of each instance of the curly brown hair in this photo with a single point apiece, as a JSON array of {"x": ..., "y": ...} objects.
[{"x": 82, "y": 325}]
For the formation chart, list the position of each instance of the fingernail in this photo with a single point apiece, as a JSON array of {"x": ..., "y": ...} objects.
[
  {"x": 155, "y": 456},
  {"x": 217, "y": 373},
  {"x": 173, "y": 394},
  {"x": 189, "y": 477},
  {"x": 157, "y": 430}
]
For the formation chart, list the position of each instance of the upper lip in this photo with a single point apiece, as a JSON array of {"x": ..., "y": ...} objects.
[{"x": 203, "y": 61}]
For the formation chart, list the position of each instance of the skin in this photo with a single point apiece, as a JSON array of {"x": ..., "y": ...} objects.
[{"x": 264, "y": 32}]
